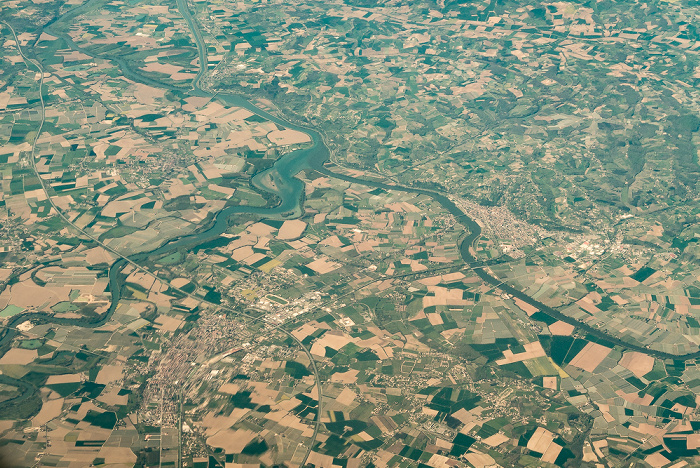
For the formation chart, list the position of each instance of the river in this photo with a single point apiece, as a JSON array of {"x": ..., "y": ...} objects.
[{"x": 289, "y": 190}]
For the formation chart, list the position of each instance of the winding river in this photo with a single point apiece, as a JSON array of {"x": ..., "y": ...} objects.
[{"x": 289, "y": 190}]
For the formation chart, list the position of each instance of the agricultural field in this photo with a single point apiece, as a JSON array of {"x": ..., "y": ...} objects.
[{"x": 349, "y": 234}]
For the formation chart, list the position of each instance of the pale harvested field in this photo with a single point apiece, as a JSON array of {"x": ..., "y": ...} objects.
[
  {"x": 110, "y": 373},
  {"x": 287, "y": 137},
  {"x": 26, "y": 294},
  {"x": 260, "y": 229},
  {"x": 656, "y": 460},
  {"x": 549, "y": 382},
  {"x": 189, "y": 302},
  {"x": 440, "y": 259},
  {"x": 49, "y": 410},
  {"x": 262, "y": 395},
  {"x": 90, "y": 432},
  {"x": 64, "y": 378},
  {"x": 82, "y": 457},
  {"x": 288, "y": 420},
  {"x": 179, "y": 282},
  {"x": 466, "y": 417},
  {"x": 532, "y": 350},
  {"x": 619, "y": 300},
  {"x": 213, "y": 424},
  {"x": 212, "y": 110},
  {"x": 444, "y": 296},
  {"x": 19, "y": 356},
  {"x": 229, "y": 388},
  {"x": 527, "y": 308},
  {"x": 5, "y": 425},
  {"x": 61, "y": 442},
  {"x": 168, "y": 323},
  {"x": 113, "y": 398},
  {"x": 262, "y": 243},
  {"x": 590, "y": 357},
  {"x": 178, "y": 189},
  {"x": 431, "y": 280},
  {"x": 449, "y": 334},
  {"x": 382, "y": 353},
  {"x": 162, "y": 68},
  {"x": 452, "y": 277},
  {"x": 626, "y": 270},
  {"x": 437, "y": 460},
  {"x": 291, "y": 229},
  {"x": 345, "y": 377},
  {"x": 320, "y": 460},
  {"x": 587, "y": 304},
  {"x": 403, "y": 207},
  {"x": 333, "y": 341},
  {"x": 144, "y": 280},
  {"x": 434, "y": 318},
  {"x": 304, "y": 331},
  {"x": 693, "y": 441},
  {"x": 346, "y": 397},
  {"x": 552, "y": 452},
  {"x": 122, "y": 456},
  {"x": 419, "y": 315},
  {"x": 561, "y": 328},
  {"x": 210, "y": 171},
  {"x": 118, "y": 207},
  {"x": 480, "y": 460},
  {"x": 413, "y": 343},
  {"x": 256, "y": 257},
  {"x": 636, "y": 399},
  {"x": 369, "y": 342},
  {"x": 540, "y": 440},
  {"x": 75, "y": 56},
  {"x": 637, "y": 363},
  {"x": 98, "y": 255},
  {"x": 318, "y": 350},
  {"x": 245, "y": 239},
  {"x": 225, "y": 190},
  {"x": 196, "y": 105},
  {"x": 270, "y": 364},
  {"x": 284, "y": 406},
  {"x": 496, "y": 440},
  {"x": 650, "y": 430},
  {"x": 232, "y": 441},
  {"x": 332, "y": 241},
  {"x": 242, "y": 253},
  {"x": 386, "y": 424},
  {"x": 146, "y": 94},
  {"x": 323, "y": 265}
]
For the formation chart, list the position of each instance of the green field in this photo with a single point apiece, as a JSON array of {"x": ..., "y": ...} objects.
[{"x": 10, "y": 311}]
